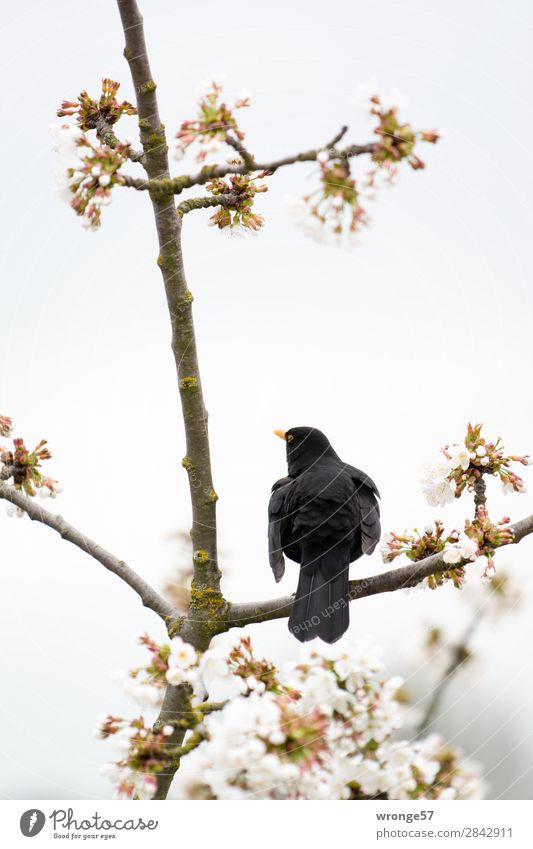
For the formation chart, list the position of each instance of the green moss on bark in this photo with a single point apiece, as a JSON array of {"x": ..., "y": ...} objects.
[{"x": 189, "y": 383}]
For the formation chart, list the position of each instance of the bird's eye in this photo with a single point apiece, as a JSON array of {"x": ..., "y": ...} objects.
[{"x": 290, "y": 437}]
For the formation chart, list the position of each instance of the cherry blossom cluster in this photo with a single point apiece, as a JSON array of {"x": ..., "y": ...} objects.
[
  {"x": 173, "y": 663},
  {"x": 91, "y": 114},
  {"x": 23, "y": 467},
  {"x": 260, "y": 746},
  {"x": 323, "y": 727},
  {"x": 463, "y": 465},
  {"x": 334, "y": 213},
  {"x": 333, "y": 739},
  {"x": 214, "y": 121},
  {"x": 87, "y": 172},
  {"x": 385, "y": 176},
  {"x": 417, "y": 546},
  {"x": 142, "y": 753},
  {"x": 6, "y": 426},
  {"x": 433, "y": 540},
  {"x": 258, "y": 674},
  {"x": 503, "y": 594},
  {"x": 461, "y": 468},
  {"x": 481, "y": 539},
  {"x": 238, "y": 215},
  {"x": 397, "y": 140},
  {"x": 487, "y": 537}
]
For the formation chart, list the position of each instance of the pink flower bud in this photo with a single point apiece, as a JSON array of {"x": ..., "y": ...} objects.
[{"x": 431, "y": 136}]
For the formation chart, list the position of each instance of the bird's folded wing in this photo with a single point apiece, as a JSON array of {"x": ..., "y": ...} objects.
[
  {"x": 362, "y": 478},
  {"x": 367, "y": 495},
  {"x": 370, "y": 524},
  {"x": 276, "y": 511}
]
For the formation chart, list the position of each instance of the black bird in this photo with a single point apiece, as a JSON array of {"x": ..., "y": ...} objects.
[{"x": 324, "y": 515}]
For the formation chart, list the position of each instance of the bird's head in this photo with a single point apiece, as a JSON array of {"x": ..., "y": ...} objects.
[{"x": 305, "y": 446}]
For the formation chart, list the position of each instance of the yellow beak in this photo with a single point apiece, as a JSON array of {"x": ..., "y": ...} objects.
[{"x": 280, "y": 433}]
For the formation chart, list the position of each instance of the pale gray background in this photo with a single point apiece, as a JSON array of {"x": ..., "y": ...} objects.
[{"x": 390, "y": 349}]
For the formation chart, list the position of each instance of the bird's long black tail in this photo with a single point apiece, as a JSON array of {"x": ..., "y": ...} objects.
[{"x": 321, "y": 607}]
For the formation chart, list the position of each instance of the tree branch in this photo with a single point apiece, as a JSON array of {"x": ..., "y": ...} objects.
[
  {"x": 176, "y": 711},
  {"x": 243, "y": 152},
  {"x": 106, "y": 135},
  {"x": 225, "y": 199},
  {"x": 179, "y": 301},
  {"x": 337, "y": 138},
  {"x": 240, "y": 614},
  {"x": 210, "y": 707},
  {"x": 149, "y": 597},
  {"x": 176, "y": 185}
]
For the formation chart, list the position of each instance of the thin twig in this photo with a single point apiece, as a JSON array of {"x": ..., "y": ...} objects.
[
  {"x": 176, "y": 185},
  {"x": 106, "y": 135},
  {"x": 210, "y": 707},
  {"x": 245, "y": 154},
  {"x": 225, "y": 199}
]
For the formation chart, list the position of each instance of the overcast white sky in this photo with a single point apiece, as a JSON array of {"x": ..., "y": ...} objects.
[{"x": 390, "y": 349}]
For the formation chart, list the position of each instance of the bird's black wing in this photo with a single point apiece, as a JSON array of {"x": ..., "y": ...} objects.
[
  {"x": 369, "y": 506},
  {"x": 277, "y": 510},
  {"x": 362, "y": 477}
]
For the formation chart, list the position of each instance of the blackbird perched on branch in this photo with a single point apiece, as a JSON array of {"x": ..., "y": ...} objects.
[{"x": 324, "y": 515}]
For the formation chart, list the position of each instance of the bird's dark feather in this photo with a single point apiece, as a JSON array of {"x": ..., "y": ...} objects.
[
  {"x": 324, "y": 517},
  {"x": 275, "y": 515}
]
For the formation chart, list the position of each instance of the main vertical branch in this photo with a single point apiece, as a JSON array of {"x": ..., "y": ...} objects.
[
  {"x": 480, "y": 499},
  {"x": 179, "y": 299}
]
